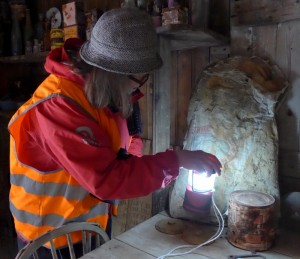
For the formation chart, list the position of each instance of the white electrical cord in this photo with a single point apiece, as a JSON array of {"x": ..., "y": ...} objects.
[{"x": 213, "y": 238}]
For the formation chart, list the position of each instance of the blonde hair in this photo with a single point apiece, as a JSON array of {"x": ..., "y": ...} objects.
[{"x": 106, "y": 89}]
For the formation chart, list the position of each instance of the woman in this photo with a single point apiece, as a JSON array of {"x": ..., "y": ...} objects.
[{"x": 71, "y": 151}]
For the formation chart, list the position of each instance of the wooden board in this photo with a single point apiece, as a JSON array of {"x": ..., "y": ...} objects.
[
  {"x": 259, "y": 12},
  {"x": 183, "y": 93}
]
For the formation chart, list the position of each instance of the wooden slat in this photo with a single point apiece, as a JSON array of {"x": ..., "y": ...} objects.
[
  {"x": 161, "y": 102},
  {"x": 263, "y": 41},
  {"x": 184, "y": 91},
  {"x": 288, "y": 58},
  {"x": 174, "y": 96},
  {"x": 200, "y": 59},
  {"x": 162, "y": 116},
  {"x": 279, "y": 45},
  {"x": 258, "y": 12}
]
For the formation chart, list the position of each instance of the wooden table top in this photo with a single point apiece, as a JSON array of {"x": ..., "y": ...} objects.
[{"x": 144, "y": 241}]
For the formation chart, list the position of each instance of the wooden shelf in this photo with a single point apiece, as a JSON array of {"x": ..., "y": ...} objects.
[
  {"x": 184, "y": 36},
  {"x": 34, "y": 58}
]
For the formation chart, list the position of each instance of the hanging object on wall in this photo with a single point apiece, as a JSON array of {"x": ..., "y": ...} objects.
[
  {"x": 175, "y": 13},
  {"x": 53, "y": 15},
  {"x": 56, "y": 34},
  {"x": 56, "y": 38},
  {"x": 74, "y": 22}
]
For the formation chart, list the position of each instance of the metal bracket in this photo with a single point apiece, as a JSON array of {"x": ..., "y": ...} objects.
[{"x": 252, "y": 255}]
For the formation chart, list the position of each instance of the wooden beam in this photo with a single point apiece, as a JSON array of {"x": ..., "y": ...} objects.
[
  {"x": 187, "y": 37},
  {"x": 161, "y": 102},
  {"x": 262, "y": 12}
]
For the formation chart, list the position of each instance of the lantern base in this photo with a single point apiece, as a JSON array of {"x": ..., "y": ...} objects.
[{"x": 198, "y": 202}]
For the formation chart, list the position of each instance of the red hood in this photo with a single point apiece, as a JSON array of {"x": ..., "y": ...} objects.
[{"x": 57, "y": 61}]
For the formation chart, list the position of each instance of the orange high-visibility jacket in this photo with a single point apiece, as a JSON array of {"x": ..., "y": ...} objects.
[{"x": 41, "y": 201}]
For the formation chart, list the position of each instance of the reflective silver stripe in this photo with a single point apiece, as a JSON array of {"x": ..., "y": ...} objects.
[
  {"x": 32, "y": 106},
  {"x": 70, "y": 192},
  {"x": 55, "y": 220},
  {"x": 45, "y": 99}
]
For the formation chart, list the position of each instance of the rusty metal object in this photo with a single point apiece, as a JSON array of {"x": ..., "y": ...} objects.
[
  {"x": 252, "y": 255},
  {"x": 250, "y": 220}
]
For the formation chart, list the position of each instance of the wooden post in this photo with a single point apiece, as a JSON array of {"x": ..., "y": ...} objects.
[{"x": 161, "y": 116}]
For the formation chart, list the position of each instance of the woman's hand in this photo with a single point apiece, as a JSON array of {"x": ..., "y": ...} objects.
[{"x": 199, "y": 160}]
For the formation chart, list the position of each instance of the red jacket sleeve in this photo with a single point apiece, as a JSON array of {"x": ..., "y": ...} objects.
[{"x": 93, "y": 164}]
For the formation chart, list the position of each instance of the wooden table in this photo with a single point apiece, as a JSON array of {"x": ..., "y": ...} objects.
[{"x": 144, "y": 241}]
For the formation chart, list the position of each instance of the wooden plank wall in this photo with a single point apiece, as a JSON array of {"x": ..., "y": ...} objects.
[
  {"x": 187, "y": 67},
  {"x": 259, "y": 12},
  {"x": 270, "y": 29}
]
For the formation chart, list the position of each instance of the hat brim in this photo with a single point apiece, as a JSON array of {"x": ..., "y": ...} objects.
[{"x": 119, "y": 66}]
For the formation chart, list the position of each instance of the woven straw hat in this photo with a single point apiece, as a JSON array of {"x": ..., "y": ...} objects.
[{"x": 123, "y": 41}]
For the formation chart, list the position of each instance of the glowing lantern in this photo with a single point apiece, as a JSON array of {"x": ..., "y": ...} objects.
[{"x": 199, "y": 192}]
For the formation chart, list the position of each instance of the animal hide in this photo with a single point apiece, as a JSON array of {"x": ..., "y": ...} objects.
[{"x": 232, "y": 115}]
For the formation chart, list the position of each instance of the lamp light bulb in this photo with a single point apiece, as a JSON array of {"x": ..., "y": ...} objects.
[{"x": 201, "y": 181}]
